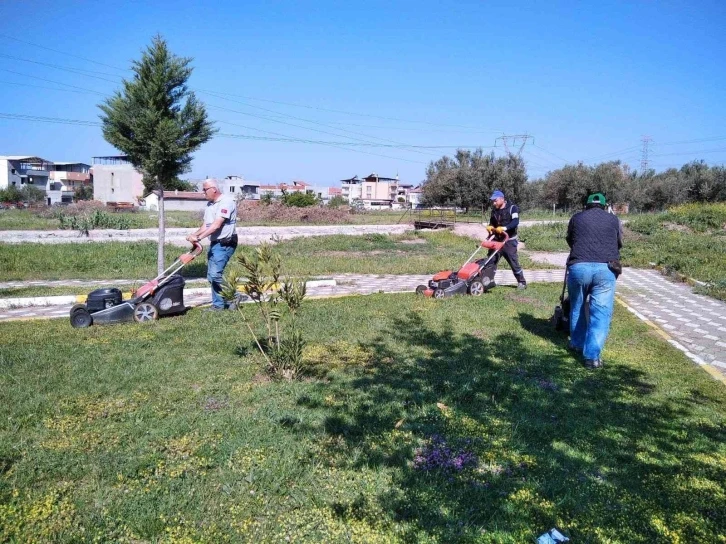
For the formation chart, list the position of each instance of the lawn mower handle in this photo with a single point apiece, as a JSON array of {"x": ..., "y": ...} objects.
[{"x": 192, "y": 254}]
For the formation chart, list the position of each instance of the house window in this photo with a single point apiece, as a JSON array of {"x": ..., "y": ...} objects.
[
  {"x": 231, "y": 188},
  {"x": 12, "y": 171}
]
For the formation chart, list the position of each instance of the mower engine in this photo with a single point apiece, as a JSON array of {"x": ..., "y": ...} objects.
[{"x": 102, "y": 299}]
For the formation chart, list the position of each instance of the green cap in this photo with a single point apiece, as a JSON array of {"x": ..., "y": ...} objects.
[{"x": 597, "y": 198}]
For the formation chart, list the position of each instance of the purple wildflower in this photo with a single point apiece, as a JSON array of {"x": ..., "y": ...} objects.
[{"x": 436, "y": 454}]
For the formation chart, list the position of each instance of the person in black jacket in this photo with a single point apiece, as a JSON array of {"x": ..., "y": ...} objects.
[
  {"x": 595, "y": 239},
  {"x": 505, "y": 218}
]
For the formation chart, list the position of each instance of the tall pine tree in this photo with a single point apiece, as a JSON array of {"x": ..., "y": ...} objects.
[{"x": 157, "y": 122}]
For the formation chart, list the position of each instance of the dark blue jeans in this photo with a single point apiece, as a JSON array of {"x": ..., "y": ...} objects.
[
  {"x": 596, "y": 280},
  {"x": 218, "y": 257}
]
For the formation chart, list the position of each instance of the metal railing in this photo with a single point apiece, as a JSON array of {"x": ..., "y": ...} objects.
[{"x": 442, "y": 217}]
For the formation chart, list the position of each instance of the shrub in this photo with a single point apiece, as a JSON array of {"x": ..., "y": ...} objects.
[
  {"x": 284, "y": 344},
  {"x": 95, "y": 219},
  {"x": 337, "y": 201},
  {"x": 299, "y": 200},
  {"x": 84, "y": 192}
]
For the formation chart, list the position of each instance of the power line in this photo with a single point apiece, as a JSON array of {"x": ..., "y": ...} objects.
[
  {"x": 42, "y": 87},
  {"x": 723, "y": 149},
  {"x": 347, "y": 112},
  {"x": 611, "y": 154},
  {"x": 550, "y": 153},
  {"x": 40, "y": 119},
  {"x": 293, "y": 125},
  {"x": 63, "y": 52},
  {"x": 315, "y": 123},
  {"x": 51, "y": 81},
  {"x": 79, "y": 71},
  {"x": 254, "y": 98}
]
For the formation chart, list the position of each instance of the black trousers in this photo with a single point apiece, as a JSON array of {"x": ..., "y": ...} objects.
[{"x": 509, "y": 252}]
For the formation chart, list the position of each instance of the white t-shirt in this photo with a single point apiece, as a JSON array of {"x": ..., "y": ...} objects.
[{"x": 224, "y": 207}]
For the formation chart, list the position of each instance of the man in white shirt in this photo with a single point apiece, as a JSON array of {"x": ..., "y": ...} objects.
[{"x": 220, "y": 220}]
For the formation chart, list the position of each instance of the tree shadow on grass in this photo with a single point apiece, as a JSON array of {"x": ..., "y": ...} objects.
[{"x": 597, "y": 453}]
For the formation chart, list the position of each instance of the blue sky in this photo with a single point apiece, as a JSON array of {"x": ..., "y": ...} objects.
[{"x": 587, "y": 80}]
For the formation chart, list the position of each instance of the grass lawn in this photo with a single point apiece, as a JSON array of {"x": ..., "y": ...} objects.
[
  {"x": 28, "y": 220},
  {"x": 461, "y": 420},
  {"x": 409, "y": 253}
]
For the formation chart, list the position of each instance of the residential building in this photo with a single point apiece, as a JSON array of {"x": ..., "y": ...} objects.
[
  {"x": 351, "y": 189},
  {"x": 415, "y": 196},
  {"x": 64, "y": 179},
  {"x": 116, "y": 180},
  {"x": 379, "y": 192},
  {"x": 188, "y": 201},
  {"x": 21, "y": 170},
  {"x": 240, "y": 188}
]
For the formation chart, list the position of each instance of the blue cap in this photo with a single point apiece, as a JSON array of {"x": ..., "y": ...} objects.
[{"x": 496, "y": 194}]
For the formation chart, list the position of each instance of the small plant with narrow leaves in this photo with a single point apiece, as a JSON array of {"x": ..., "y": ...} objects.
[{"x": 278, "y": 305}]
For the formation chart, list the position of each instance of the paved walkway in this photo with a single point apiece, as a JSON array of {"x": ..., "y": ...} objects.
[{"x": 695, "y": 323}]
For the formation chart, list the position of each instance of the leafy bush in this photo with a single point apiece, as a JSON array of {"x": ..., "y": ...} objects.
[
  {"x": 28, "y": 193},
  {"x": 96, "y": 219},
  {"x": 299, "y": 200},
  {"x": 337, "y": 201},
  {"x": 263, "y": 269},
  {"x": 84, "y": 192}
]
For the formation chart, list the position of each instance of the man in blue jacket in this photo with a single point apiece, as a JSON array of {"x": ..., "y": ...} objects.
[
  {"x": 505, "y": 218},
  {"x": 595, "y": 239}
]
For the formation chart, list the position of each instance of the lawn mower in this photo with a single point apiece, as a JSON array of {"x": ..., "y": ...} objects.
[
  {"x": 561, "y": 317},
  {"x": 474, "y": 278},
  {"x": 164, "y": 295}
]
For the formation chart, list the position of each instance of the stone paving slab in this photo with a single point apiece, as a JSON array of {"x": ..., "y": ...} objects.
[{"x": 697, "y": 322}]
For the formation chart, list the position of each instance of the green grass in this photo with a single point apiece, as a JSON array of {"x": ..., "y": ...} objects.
[
  {"x": 29, "y": 220},
  {"x": 408, "y": 253},
  {"x": 689, "y": 240},
  {"x": 170, "y": 433},
  {"x": 547, "y": 237},
  {"x": 42, "y": 291}
]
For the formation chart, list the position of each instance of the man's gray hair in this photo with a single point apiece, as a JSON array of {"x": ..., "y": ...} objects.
[{"x": 211, "y": 182}]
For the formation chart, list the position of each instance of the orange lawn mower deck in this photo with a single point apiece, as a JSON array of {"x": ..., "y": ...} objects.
[{"x": 473, "y": 278}]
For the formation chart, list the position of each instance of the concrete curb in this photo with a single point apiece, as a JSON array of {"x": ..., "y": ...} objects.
[{"x": 64, "y": 300}]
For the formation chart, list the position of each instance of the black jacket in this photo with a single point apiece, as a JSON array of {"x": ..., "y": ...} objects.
[
  {"x": 507, "y": 217},
  {"x": 594, "y": 236}
]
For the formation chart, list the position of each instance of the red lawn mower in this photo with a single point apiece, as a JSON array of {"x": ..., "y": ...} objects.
[
  {"x": 164, "y": 295},
  {"x": 474, "y": 278}
]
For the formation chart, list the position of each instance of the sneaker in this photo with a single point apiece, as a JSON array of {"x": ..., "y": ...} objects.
[
  {"x": 521, "y": 285},
  {"x": 593, "y": 363},
  {"x": 574, "y": 349}
]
